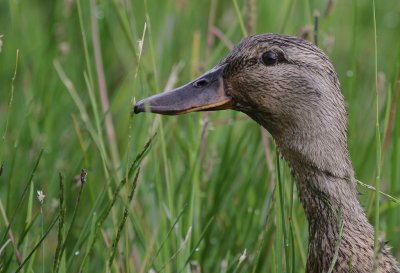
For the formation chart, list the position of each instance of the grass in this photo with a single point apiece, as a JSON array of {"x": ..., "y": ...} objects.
[{"x": 211, "y": 195}]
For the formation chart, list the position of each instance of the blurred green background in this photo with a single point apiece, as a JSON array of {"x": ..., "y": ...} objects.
[{"x": 205, "y": 193}]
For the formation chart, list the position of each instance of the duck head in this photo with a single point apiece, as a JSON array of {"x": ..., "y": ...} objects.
[{"x": 284, "y": 83}]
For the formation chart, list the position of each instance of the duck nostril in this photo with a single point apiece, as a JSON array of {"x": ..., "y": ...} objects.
[{"x": 200, "y": 83}]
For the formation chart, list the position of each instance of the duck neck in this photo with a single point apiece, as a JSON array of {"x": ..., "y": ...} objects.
[
  {"x": 334, "y": 216},
  {"x": 338, "y": 226},
  {"x": 324, "y": 196}
]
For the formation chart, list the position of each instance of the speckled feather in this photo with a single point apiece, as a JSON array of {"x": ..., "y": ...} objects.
[{"x": 298, "y": 100}]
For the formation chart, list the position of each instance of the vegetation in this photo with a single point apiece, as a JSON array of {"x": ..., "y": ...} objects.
[{"x": 206, "y": 197}]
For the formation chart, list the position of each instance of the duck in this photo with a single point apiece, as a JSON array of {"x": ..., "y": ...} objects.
[{"x": 289, "y": 86}]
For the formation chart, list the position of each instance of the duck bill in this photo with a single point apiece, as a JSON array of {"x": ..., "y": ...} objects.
[{"x": 206, "y": 93}]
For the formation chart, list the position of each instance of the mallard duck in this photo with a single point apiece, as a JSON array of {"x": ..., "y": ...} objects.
[{"x": 289, "y": 86}]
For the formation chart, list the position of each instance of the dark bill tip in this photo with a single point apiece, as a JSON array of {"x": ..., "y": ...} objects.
[{"x": 139, "y": 107}]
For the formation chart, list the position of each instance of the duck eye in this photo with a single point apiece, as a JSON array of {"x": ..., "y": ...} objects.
[{"x": 270, "y": 58}]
